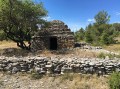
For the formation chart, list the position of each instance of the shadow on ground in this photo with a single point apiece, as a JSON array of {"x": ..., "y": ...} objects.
[
  {"x": 20, "y": 52},
  {"x": 13, "y": 52}
]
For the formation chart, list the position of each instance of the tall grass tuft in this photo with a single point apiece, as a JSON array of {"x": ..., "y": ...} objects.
[{"x": 114, "y": 80}]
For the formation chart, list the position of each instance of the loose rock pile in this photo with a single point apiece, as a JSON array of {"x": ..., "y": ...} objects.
[{"x": 54, "y": 65}]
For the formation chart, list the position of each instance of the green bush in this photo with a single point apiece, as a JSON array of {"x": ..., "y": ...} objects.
[
  {"x": 36, "y": 75},
  {"x": 111, "y": 56},
  {"x": 2, "y": 36},
  {"x": 114, "y": 80},
  {"x": 118, "y": 56},
  {"x": 101, "y": 55},
  {"x": 79, "y": 35}
]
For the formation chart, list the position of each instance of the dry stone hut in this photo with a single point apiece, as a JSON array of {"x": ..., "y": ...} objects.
[{"x": 56, "y": 37}]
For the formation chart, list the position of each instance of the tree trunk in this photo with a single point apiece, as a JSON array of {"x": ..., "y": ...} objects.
[{"x": 22, "y": 45}]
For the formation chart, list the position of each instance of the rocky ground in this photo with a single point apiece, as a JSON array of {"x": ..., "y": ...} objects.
[
  {"x": 66, "y": 81},
  {"x": 73, "y": 81},
  {"x": 31, "y": 80}
]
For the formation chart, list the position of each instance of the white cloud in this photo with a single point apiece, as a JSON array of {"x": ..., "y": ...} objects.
[
  {"x": 48, "y": 18},
  {"x": 117, "y": 13},
  {"x": 117, "y": 22},
  {"x": 91, "y": 20}
]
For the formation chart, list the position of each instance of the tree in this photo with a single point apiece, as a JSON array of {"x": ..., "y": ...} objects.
[
  {"x": 101, "y": 32},
  {"x": 108, "y": 36},
  {"x": 101, "y": 28},
  {"x": 88, "y": 36},
  {"x": 102, "y": 18},
  {"x": 117, "y": 26},
  {"x": 79, "y": 35},
  {"x": 19, "y": 19}
]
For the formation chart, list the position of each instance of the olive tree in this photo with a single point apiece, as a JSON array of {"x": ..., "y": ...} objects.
[{"x": 19, "y": 19}]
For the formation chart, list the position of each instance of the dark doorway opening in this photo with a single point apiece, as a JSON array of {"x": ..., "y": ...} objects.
[{"x": 53, "y": 43}]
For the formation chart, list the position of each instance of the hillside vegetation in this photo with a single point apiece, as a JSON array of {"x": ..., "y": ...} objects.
[{"x": 100, "y": 32}]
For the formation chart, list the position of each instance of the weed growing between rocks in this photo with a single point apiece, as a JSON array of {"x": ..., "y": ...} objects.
[
  {"x": 35, "y": 75},
  {"x": 101, "y": 55},
  {"x": 111, "y": 56},
  {"x": 114, "y": 80},
  {"x": 1, "y": 83},
  {"x": 67, "y": 76}
]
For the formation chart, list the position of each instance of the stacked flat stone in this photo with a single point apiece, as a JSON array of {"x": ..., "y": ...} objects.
[
  {"x": 58, "y": 30},
  {"x": 44, "y": 65}
]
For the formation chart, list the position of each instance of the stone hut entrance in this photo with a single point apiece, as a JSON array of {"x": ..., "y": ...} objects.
[
  {"x": 55, "y": 37},
  {"x": 53, "y": 43}
]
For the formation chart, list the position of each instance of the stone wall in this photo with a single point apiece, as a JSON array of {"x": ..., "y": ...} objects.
[{"x": 44, "y": 65}]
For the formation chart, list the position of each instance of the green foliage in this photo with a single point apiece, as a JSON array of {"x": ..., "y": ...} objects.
[
  {"x": 104, "y": 38},
  {"x": 79, "y": 35},
  {"x": 116, "y": 26},
  {"x": 102, "y": 18},
  {"x": 35, "y": 75},
  {"x": 1, "y": 83},
  {"x": 108, "y": 36},
  {"x": 101, "y": 55},
  {"x": 101, "y": 33},
  {"x": 2, "y": 36},
  {"x": 19, "y": 19},
  {"x": 88, "y": 37},
  {"x": 91, "y": 34},
  {"x": 114, "y": 80}
]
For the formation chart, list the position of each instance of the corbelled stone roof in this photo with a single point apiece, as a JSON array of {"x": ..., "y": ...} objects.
[
  {"x": 57, "y": 21},
  {"x": 56, "y": 28}
]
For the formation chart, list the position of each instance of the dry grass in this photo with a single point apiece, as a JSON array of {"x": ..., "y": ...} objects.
[
  {"x": 89, "y": 82},
  {"x": 9, "y": 48},
  {"x": 4, "y": 45},
  {"x": 85, "y": 53},
  {"x": 69, "y": 53},
  {"x": 113, "y": 47},
  {"x": 76, "y": 81},
  {"x": 118, "y": 38},
  {"x": 7, "y": 44},
  {"x": 71, "y": 81}
]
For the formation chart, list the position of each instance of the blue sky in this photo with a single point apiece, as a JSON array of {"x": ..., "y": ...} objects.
[{"x": 79, "y": 13}]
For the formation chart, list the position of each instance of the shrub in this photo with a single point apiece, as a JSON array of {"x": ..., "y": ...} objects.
[
  {"x": 1, "y": 83},
  {"x": 111, "y": 55},
  {"x": 118, "y": 56},
  {"x": 101, "y": 55},
  {"x": 67, "y": 76},
  {"x": 36, "y": 75},
  {"x": 114, "y": 80},
  {"x": 2, "y": 36}
]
